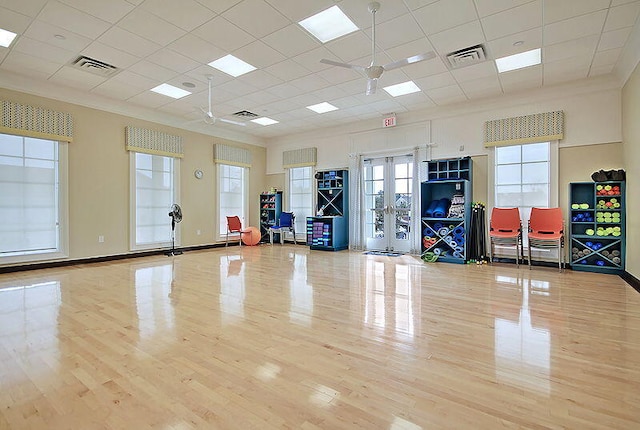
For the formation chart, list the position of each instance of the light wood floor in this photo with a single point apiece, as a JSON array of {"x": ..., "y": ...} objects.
[{"x": 283, "y": 337}]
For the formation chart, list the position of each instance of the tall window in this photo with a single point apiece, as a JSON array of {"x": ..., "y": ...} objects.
[
  {"x": 232, "y": 194},
  {"x": 155, "y": 192},
  {"x": 523, "y": 177},
  {"x": 301, "y": 195},
  {"x": 30, "y": 196}
]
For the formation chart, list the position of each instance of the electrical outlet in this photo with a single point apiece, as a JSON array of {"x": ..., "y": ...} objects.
[
  {"x": 101, "y": 239},
  {"x": 461, "y": 148},
  {"x": 198, "y": 232}
]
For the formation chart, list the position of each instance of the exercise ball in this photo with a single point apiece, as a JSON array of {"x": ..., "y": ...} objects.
[{"x": 251, "y": 236}]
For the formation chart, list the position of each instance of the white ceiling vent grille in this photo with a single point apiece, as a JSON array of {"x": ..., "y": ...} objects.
[
  {"x": 245, "y": 114},
  {"x": 466, "y": 57},
  {"x": 94, "y": 66}
]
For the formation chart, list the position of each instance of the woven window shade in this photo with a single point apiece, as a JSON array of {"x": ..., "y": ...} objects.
[
  {"x": 299, "y": 158},
  {"x": 153, "y": 142},
  {"x": 539, "y": 127},
  {"x": 35, "y": 121},
  {"x": 234, "y": 156}
]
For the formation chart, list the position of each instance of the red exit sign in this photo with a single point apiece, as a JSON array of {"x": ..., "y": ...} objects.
[{"x": 389, "y": 121}]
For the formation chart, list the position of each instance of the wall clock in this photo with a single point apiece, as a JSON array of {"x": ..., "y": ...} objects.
[{"x": 198, "y": 174}]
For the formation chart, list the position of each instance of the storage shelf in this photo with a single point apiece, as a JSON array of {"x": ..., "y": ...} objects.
[
  {"x": 270, "y": 214},
  {"x": 330, "y": 230}
]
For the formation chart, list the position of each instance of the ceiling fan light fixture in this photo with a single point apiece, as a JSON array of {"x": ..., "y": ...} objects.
[
  {"x": 232, "y": 66},
  {"x": 6, "y": 37},
  {"x": 170, "y": 91},
  {"x": 402, "y": 89},
  {"x": 265, "y": 121},
  {"x": 329, "y": 24},
  {"x": 519, "y": 61},
  {"x": 322, "y": 107}
]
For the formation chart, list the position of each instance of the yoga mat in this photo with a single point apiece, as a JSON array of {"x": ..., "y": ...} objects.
[
  {"x": 443, "y": 231},
  {"x": 458, "y": 231},
  {"x": 437, "y": 251},
  {"x": 442, "y": 208},
  {"x": 437, "y": 226},
  {"x": 432, "y": 206},
  {"x": 457, "y": 254}
]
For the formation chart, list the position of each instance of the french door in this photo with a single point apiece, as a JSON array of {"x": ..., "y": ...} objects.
[{"x": 388, "y": 186}]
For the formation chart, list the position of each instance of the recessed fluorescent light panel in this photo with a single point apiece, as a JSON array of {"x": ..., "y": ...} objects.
[
  {"x": 322, "y": 107},
  {"x": 402, "y": 89},
  {"x": 170, "y": 91},
  {"x": 264, "y": 121},
  {"x": 6, "y": 37},
  {"x": 328, "y": 24},
  {"x": 232, "y": 66},
  {"x": 519, "y": 61}
]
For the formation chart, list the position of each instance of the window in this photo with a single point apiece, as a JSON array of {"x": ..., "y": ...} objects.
[
  {"x": 301, "y": 195},
  {"x": 32, "y": 185},
  {"x": 154, "y": 182},
  {"x": 232, "y": 193}
]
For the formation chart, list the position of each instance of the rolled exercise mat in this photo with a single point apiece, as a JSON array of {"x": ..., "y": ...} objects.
[
  {"x": 442, "y": 208},
  {"x": 457, "y": 254},
  {"x": 437, "y": 251},
  {"x": 443, "y": 231},
  {"x": 429, "y": 211},
  {"x": 437, "y": 226},
  {"x": 458, "y": 231}
]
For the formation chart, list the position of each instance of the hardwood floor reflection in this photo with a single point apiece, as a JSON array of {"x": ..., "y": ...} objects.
[{"x": 283, "y": 337}]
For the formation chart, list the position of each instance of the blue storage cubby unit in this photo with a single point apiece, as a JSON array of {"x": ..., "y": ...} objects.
[
  {"x": 270, "y": 209},
  {"x": 443, "y": 235},
  {"x": 330, "y": 230},
  {"x": 597, "y": 226},
  {"x": 454, "y": 168}
]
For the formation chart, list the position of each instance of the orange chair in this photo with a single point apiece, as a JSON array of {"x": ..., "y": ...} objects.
[
  {"x": 546, "y": 231},
  {"x": 234, "y": 225},
  {"x": 505, "y": 229}
]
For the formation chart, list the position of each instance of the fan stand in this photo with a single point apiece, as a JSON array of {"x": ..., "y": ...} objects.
[{"x": 173, "y": 250}]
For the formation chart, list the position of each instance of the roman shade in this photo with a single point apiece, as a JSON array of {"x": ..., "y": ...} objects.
[
  {"x": 153, "y": 142},
  {"x": 539, "y": 127},
  {"x": 35, "y": 121},
  {"x": 231, "y": 155},
  {"x": 299, "y": 158}
]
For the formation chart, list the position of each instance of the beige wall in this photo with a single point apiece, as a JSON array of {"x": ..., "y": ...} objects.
[
  {"x": 98, "y": 173},
  {"x": 631, "y": 153}
]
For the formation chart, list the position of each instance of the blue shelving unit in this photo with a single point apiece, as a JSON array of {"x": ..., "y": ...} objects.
[
  {"x": 330, "y": 231},
  {"x": 270, "y": 209}
]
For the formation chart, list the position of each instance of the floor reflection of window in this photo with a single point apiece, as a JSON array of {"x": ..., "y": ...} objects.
[
  {"x": 301, "y": 293},
  {"x": 232, "y": 290},
  {"x": 153, "y": 302},
  {"x": 522, "y": 351},
  {"x": 374, "y": 294},
  {"x": 404, "y": 305}
]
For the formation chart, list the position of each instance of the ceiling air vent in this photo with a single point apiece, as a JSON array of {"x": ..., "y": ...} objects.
[
  {"x": 466, "y": 57},
  {"x": 96, "y": 67},
  {"x": 245, "y": 114}
]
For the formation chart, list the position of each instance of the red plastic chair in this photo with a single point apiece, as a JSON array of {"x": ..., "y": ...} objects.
[
  {"x": 505, "y": 229},
  {"x": 234, "y": 225},
  {"x": 546, "y": 231}
]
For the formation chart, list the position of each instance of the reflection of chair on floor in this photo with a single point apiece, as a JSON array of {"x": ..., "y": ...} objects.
[
  {"x": 234, "y": 225},
  {"x": 234, "y": 266},
  {"x": 506, "y": 230},
  {"x": 286, "y": 223},
  {"x": 546, "y": 231}
]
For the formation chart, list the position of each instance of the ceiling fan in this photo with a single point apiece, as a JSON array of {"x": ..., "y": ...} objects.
[
  {"x": 373, "y": 71},
  {"x": 209, "y": 117}
]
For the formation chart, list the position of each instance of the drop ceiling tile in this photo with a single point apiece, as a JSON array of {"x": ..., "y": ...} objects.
[
  {"x": 522, "y": 84},
  {"x": 490, "y": 7},
  {"x": 329, "y": 93},
  {"x": 622, "y": 16},
  {"x": 476, "y": 71},
  {"x": 201, "y": 74},
  {"x": 150, "y": 99},
  {"x": 337, "y": 75},
  {"x": 358, "y": 12},
  {"x": 223, "y": 34},
  {"x": 45, "y": 32},
  {"x": 445, "y": 14},
  {"x": 119, "y": 38},
  {"x": 311, "y": 59},
  {"x": 351, "y": 46},
  {"x": 263, "y": 97},
  {"x": 260, "y": 79},
  {"x": 73, "y": 20},
  {"x": 297, "y": 10},
  {"x": 397, "y": 31},
  {"x": 29, "y": 65},
  {"x": 237, "y": 88},
  {"x": 77, "y": 79},
  {"x": 614, "y": 39},
  {"x": 416, "y": 101},
  {"x": 284, "y": 90},
  {"x": 172, "y": 60},
  {"x": 344, "y": 102},
  {"x": 417, "y": 4},
  {"x": 116, "y": 90},
  {"x": 483, "y": 87},
  {"x": 601, "y": 70},
  {"x": 446, "y": 93},
  {"x": 457, "y": 38},
  {"x": 186, "y": 14},
  {"x": 13, "y": 21},
  {"x": 153, "y": 71},
  {"x": 309, "y": 83},
  {"x": 574, "y": 28},
  {"x": 151, "y": 27},
  {"x": 567, "y": 70},
  {"x": 107, "y": 54},
  {"x": 572, "y": 48},
  {"x": 621, "y": 2},
  {"x": 143, "y": 83},
  {"x": 435, "y": 81},
  {"x": 354, "y": 87},
  {"x": 425, "y": 68},
  {"x": 111, "y": 11},
  {"x": 219, "y": 6},
  {"x": 30, "y": 8},
  {"x": 43, "y": 50},
  {"x": 287, "y": 70},
  {"x": 197, "y": 49},
  {"x": 559, "y": 10},
  {"x": 201, "y": 86},
  {"x": 409, "y": 49},
  {"x": 256, "y": 17},
  {"x": 291, "y": 40},
  {"x": 513, "y": 21},
  {"x": 532, "y": 75},
  {"x": 605, "y": 58},
  {"x": 259, "y": 54},
  {"x": 3, "y": 53},
  {"x": 504, "y": 46}
]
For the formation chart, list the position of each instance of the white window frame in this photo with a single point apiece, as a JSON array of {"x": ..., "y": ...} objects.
[
  {"x": 221, "y": 229},
  {"x": 63, "y": 217},
  {"x": 301, "y": 219},
  {"x": 132, "y": 193}
]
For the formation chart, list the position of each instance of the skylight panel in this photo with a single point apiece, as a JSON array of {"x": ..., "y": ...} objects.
[
  {"x": 232, "y": 66},
  {"x": 170, "y": 91},
  {"x": 322, "y": 107},
  {"x": 402, "y": 89},
  {"x": 329, "y": 24},
  {"x": 519, "y": 61}
]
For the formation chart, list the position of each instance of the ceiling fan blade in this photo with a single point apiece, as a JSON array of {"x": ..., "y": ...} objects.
[
  {"x": 345, "y": 65},
  {"x": 410, "y": 60},
  {"x": 372, "y": 85},
  {"x": 230, "y": 121}
]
